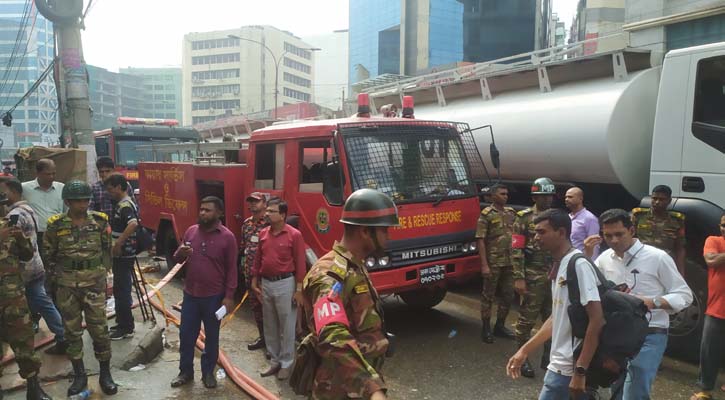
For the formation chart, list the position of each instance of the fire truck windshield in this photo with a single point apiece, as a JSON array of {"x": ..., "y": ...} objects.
[
  {"x": 410, "y": 163},
  {"x": 127, "y": 154}
]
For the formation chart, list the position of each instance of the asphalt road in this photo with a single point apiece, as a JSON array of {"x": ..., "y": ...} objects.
[{"x": 439, "y": 356}]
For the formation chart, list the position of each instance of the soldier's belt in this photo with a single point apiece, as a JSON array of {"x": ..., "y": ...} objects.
[{"x": 82, "y": 264}]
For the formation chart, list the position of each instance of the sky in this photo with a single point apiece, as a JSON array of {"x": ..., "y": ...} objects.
[{"x": 149, "y": 33}]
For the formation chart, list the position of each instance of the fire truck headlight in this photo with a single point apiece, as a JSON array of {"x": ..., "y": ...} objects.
[
  {"x": 473, "y": 246},
  {"x": 384, "y": 261},
  {"x": 465, "y": 247},
  {"x": 370, "y": 262}
]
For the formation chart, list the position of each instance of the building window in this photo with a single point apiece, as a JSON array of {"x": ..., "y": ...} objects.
[
  {"x": 297, "y": 80},
  {"x": 297, "y": 95},
  {"x": 288, "y": 62},
  {"x": 216, "y": 74},
  {"x": 215, "y": 91},
  {"x": 213, "y": 104},
  {"x": 290, "y": 48},
  {"x": 389, "y": 51},
  {"x": 215, "y": 59},
  {"x": 696, "y": 32},
  {"x": 214, "y": 44},
  {"x": 201, "y": 120}
]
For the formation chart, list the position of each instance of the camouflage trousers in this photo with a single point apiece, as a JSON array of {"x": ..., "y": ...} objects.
[
  {"x": 536, "y": 302},
  {"x": 75, "y": 303},
  {"x": 252, "y": 300},
  {"x": 16, "y": 329},
  {"x": 338, "y": 379},
  {"x": 500, "y": 282}
]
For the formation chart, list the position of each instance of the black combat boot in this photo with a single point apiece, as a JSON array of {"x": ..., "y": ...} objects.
[
  {"x": 527, "y": 370},
  {"x": 58, "y": 349},
  {"x": 80, "y": 379},
  {"x": 259, "y": 342},
  {"x": 105, "y": 381},
  {"x": 502, "y": 331},
  {"x": 486, "y": 335},
  {"x": 35, "y": 392}
]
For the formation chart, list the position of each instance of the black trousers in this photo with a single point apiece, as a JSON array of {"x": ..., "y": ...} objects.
[{"x": 711, "y": 351}]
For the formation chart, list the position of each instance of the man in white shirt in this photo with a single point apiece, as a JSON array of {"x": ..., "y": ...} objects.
[
  {"x": 43, "y": 194},
  {"x": 565, "y": 376},
  {"x": 650, "y": 274}
]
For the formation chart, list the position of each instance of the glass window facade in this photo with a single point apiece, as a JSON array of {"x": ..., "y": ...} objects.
[
  {"x": 696, "y": 32},
  {"x": 375, "y": 36},
  {"x": 367, "y": 19},
  {"x": 35, "y": 121}
]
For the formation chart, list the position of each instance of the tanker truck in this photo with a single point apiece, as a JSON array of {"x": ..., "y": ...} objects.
[{"x": 615, "y": 123}]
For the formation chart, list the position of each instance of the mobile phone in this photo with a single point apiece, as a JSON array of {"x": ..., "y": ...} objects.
[{"x": 14, "y": 219}]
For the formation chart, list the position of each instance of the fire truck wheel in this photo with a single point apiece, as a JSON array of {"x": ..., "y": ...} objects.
[
  {"x": 424, "y": 298},
  {"x": 170, "y": 245}
]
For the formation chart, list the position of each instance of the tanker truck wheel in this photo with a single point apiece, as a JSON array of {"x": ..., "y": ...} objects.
[
  {"x": 686, "y": 326},
  {"x": 425, "y": 298}
]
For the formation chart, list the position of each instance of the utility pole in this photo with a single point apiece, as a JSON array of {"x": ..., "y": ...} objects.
[{"x": 72, "y": 85}]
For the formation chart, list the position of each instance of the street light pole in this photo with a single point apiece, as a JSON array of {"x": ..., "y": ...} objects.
[{"x": 276, "y": 65}]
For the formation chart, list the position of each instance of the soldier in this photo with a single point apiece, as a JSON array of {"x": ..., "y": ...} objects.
[
  {"x": 343, "y": 308},
  {"x": 661, "y": 228},
  {"x": 16, "y": 329},
  {"x": 531, "y": 266},
  {"x": 251, "y": 227},
  {"x": 78, "y": 249},
  {"x": 494, "y": 246}
]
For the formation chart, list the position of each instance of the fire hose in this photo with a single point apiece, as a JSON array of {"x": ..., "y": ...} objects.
[{"x": 244, "y": 382}]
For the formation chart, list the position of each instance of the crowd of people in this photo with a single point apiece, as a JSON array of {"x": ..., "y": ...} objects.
[{"x": 58, "y": 242}]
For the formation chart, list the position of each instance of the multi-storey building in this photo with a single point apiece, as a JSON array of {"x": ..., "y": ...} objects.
[
  {"x": 26, "y": 50},
  {"x": 162, "y": 87},
  {"x": 232, "y": 72},
  {"x": 114, "y": 95}
]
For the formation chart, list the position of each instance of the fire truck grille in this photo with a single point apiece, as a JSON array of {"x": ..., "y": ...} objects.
[{"x": 414, "y": 161}]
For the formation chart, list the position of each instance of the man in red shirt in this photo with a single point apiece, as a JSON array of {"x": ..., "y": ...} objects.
[
  {"x": 279, "y": 267},
  {"x": 210, "y": 252},
  {"x": 712, "y": 345}
]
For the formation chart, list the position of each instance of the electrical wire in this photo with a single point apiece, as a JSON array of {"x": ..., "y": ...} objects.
[
  {"x": 33, "y": 88},
  {"x": 16, "y": 46},
  {"x": 22, "y": 59}
]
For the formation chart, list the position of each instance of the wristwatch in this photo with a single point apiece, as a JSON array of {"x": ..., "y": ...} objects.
[
  {"x": 657, "y": 301},
  {"x": 581, "y": 371}
]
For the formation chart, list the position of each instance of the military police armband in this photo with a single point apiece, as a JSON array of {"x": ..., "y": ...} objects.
[
  {"x": 329, "y": 310},
  {"x": 518, "y": 241}
]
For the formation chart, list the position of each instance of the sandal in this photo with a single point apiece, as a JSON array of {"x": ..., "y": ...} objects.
[{"x": 701, "y": 396}]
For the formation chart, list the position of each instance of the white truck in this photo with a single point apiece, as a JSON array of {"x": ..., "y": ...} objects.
[{"x": 615, "y": 123}]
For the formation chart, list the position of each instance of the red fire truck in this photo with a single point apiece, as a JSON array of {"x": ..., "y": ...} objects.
[
  {"x": 120, "y": 142},
  {"x": 427, "y": 167}
]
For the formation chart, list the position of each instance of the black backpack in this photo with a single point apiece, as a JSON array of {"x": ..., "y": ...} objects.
[{"x": 623, "y": 334}]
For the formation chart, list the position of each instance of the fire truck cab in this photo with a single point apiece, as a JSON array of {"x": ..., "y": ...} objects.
[{"x": 424, "y": 166}]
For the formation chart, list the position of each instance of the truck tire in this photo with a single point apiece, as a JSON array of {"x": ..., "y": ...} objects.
[
  {"x": 170, "y": 245},
  {"x": 686, "y": 326},
  {"x": 425, "y": 298}
]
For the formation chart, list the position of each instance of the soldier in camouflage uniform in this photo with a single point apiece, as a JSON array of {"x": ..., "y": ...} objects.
[
  {"x": 531, "y": 267},
  {"x": 494, "y": 246},
  {"x": 251, "y": 227},
  {"x": 78, "y": 249},
  {"x": 343, "y": 308},
  {"x": 661, "y": 228},
  {"x": 16, "y": 328}
]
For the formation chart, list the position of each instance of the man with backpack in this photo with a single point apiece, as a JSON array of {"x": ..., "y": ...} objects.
[
  {"x": 124, "y": 221},
  {"x": 567, "y": 374},
  {"x": 650, "y": 274}
]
